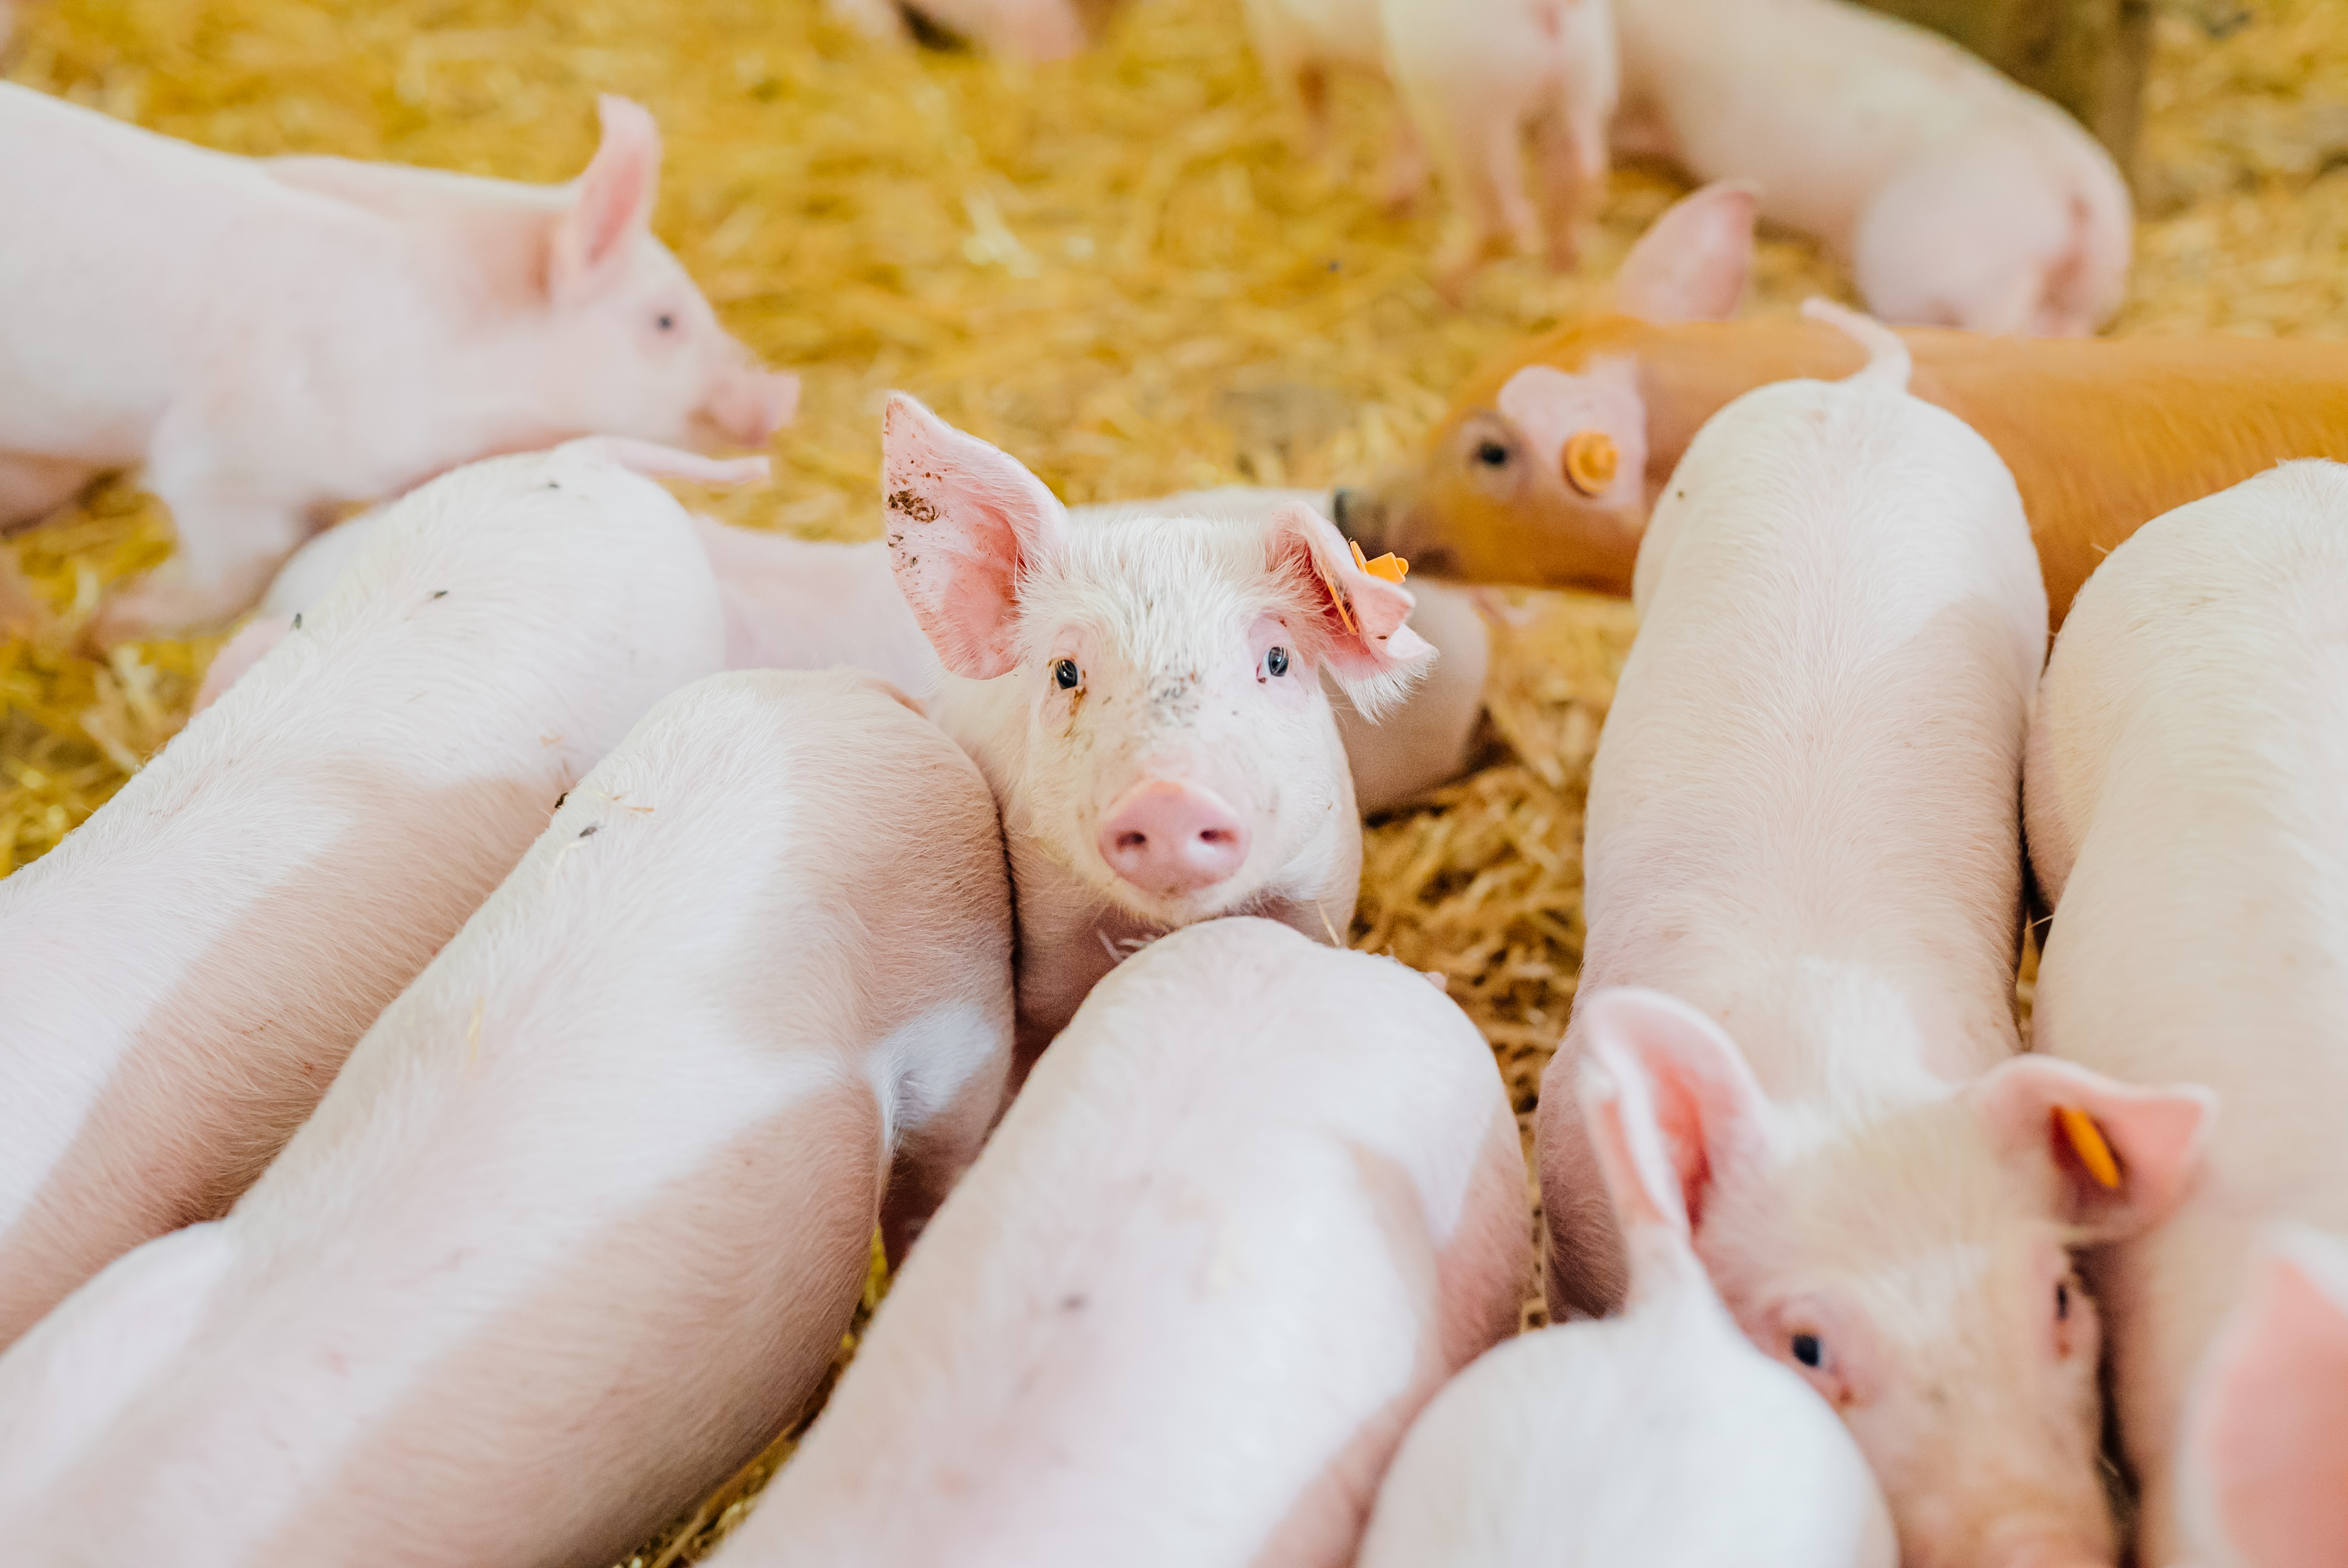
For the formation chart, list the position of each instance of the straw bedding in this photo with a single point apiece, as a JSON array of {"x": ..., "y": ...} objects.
[{"x": 1116, "y": 270}]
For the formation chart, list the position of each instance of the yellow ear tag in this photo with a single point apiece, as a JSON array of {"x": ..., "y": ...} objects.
[
  {"x": 1590, "y": 460},
  {"x": 2087, "y": 1142},
  {"x": 1387, "y": 567}
]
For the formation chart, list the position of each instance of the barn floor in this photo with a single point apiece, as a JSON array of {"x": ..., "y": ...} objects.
[{"x": 1116, "y": 270}]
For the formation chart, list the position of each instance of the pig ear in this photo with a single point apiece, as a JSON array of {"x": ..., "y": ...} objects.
[
  {"x": 613, "y": 203},
  {"x": 1691, "y": 264},
  {"x": 2268, "y": 1439},
  {"x": 967, "y": 522},
  {"x": 1690, "y": 1108},
  {"x": 2126, "y": 1156},
  {"x": 1348, "y": 621},
  {"x": 1590, "y": 429}
]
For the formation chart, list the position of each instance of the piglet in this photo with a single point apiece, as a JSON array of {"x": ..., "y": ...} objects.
[
  {"x": 190, "y": 967},
  {"x": 1143, "y": 693},
  {"x": 1803, "y": 822},
  {"x": 581, "y": 1222},
  {"x": 327, "y": 332},
  {"x": 810, "y": 604},
  {"x": 1660, "y": 1437},
  {"x": 1958, "y": 197},
  {"x": 2266, "y": 1438},
  {"x": 1248, "y": 1213},
  {"x": 2188, "y": 800}
]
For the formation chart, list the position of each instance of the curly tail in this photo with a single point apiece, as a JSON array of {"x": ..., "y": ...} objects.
[{"x": 1887, "y": 353}]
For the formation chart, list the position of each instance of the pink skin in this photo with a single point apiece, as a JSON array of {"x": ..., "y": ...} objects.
[
  {"x": 1958, "y": 198},
  {"x": 193, "y": 964},
  {"x": 1118, "y": 1287},
  {"x": 1132, "y": 674},
  {"x": 1660, "y": 1436},
  {"x": 803, "y": 604},
  {"x": 302, "y": 351},
  {"x": 1840, "y": 610},
  {"x": 2266, "y": 1440},
  {"x": 2187, "y": 756},
  {"x": 580, "y": 1223},
  {"x": 1478, "y": 79}
]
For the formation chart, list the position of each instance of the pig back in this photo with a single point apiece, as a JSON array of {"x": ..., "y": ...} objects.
[
  {"x": 1258, "y": 1185},
  {"x": 1815, "y": 748},
  {"x": 583, "y": 1221},
  {"x": 194, "y": 962},
  {"x": 2188, "y": 803}
]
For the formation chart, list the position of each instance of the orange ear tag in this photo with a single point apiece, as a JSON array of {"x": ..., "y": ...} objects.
[
  {"x": 2087, "y": 1142},
  {"x": 1591, "y": 459},
  {"x": 1387, "y": 567},
  {"x": 1337, "y": 598}
]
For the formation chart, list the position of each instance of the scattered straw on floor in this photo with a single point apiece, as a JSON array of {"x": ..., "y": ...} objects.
[{"x": 1114, "y": 268}]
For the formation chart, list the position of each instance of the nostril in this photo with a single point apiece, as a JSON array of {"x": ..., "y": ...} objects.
[
  {"x": 1223, "y": 837},
  {"x": 1133, "y": 840}
]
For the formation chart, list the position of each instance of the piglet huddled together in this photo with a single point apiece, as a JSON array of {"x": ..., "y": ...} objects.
[{"x": 455, "y": 1099}]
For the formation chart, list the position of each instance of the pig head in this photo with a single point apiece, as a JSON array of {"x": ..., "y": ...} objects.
[
  {"x": 1912, "y": 1260},
  {"x": 1144, "y": 695}
]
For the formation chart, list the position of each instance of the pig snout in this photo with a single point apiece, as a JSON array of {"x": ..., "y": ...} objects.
[
  {"x": 748, "y": 406},
  {"x": 1169, "y": 837}
]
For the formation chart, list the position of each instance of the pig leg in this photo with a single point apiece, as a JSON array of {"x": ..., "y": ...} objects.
[
  {"x": 233, "y": 534},
  {"x": 1569, "y": 145},
  {"x": 33, "y": 486},
  {"x": 1479, "y": 156},
  {"x": 1406, "y": 176}
]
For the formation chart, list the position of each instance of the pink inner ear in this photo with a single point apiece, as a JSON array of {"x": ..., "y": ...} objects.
[
  {"x": 2158, "y": 1136},
  {"x": 615, "y": 195},
  {"x": 1549, "y": 408},
  {"x": 1699, "y": 1096},
  {"x": 1648, "y": 1188},
  {"x": 965, "y": 520},
  {"x": 2278, "y": 1436},
  {"x": 1361, "y": 632},
  {"x": 1693, "y": 262}
]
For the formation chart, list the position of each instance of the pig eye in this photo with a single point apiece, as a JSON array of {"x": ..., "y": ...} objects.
[
  {"x": 1066, "y": 675},
  {"x": 665, "y": 322},
  {"x": 1808, "y": 1350},
  {"x": 1276, "y": 662},
  {"x": 1492, "y": 453}
]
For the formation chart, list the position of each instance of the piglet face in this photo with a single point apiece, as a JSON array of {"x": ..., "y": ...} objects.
[
  {"x": 638, "y": 350},
  {"x": 1914, "y": 1266},
  {"x": 1160, "y": 729}
]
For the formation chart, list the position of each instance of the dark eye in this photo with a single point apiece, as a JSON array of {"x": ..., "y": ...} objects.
[
  {"x": 665, "y": 322},
  {"x": 1492, "y": 455},
  {"x": 1276, "y": 662},
  {"x": 2061, "y": 1301},
  {"x": 1066, "y": 675},
  {"x": 1808, "y": 1350}
]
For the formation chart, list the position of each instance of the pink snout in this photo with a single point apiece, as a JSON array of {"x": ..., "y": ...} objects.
[
  {"x": 1168, "y": 837},
  {"x": 749, "y": 408}
]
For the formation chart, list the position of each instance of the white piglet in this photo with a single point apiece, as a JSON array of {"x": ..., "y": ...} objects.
[
  {"x": 580, "y": 1224},
  {"x": 2265, "y": 1449},
  {"x": 189, "y": 968},
  {"x": 1804, "y": 821},
  {"x": 1957, "y": 197},
  {"x": 1660, "y": 1437},
  {"x": 810, "y": 604},
  {"x": 1144, "y": 695},
  {"x": 1248, "y": 1213},
  {"x": 327, "y": 332},
  {"x": 2187, "y": 796}
]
